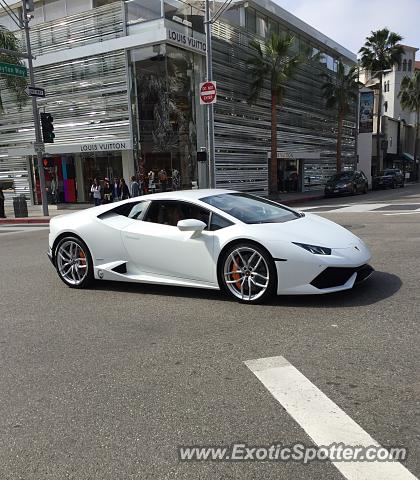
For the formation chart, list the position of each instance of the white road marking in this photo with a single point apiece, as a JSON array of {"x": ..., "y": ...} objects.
[
  {"x": 14, "y": 229},
  {"x": 361, "y": 207},
  {"x": 402, "y": 213},
  {"x": 321, "y": 418}
]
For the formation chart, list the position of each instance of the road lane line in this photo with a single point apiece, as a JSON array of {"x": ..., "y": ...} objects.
[{"x": 321, "y": 418}]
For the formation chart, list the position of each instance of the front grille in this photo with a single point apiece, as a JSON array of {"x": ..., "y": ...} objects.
[{"x": 337, "y": 276}]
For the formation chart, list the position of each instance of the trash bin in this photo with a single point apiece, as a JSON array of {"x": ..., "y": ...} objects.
[
  {"x": 23, "y": 206},
  {"x": 20, "y": 207}
]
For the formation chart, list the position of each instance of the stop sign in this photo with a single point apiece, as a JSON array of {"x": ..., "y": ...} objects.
[{"x": 208, "y": 93}]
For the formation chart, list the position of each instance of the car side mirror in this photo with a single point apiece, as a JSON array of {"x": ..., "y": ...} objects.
[{"x": 191, "y": 225}]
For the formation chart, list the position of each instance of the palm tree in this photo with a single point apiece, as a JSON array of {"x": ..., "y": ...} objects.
[
  {"x": 16, "y": 84},
  {"x": 274, "y": 61},
  {"x": 409, "y": 96},
  {"x": 380, "y": 52},
  {"x": 341, "y": 92}
]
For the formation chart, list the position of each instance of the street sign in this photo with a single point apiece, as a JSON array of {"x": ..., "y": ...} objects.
[
  {"x": 39, "y": 147},
  {"x": 35, "y": 91},
  {"x": 208, "y": 93},
  {"x": 13, "y": 70}
]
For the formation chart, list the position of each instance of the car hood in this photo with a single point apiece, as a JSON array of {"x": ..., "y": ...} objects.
[{"x": 310, "y": 229}]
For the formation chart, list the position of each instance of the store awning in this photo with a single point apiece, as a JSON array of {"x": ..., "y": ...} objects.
[{"x": 408, "y": 157}]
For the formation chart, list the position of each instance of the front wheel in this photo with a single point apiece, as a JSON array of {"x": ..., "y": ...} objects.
[
  {"x": 73, "y": 262},
  {"x": 248, "y": 273}
]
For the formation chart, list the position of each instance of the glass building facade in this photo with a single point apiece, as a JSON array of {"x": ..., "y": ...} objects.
[{"x": 122, "y": 82}]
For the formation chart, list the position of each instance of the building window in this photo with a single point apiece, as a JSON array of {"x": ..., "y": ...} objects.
[
  {"x": 410, "y": 65},
  {"x": 251, "y": 20},
  {"x": 261, "y": 26},
  {"x": 404, "y": 65},
  {"x": 386, "y": 106}
]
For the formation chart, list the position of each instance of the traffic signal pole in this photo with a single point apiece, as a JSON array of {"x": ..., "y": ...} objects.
[
  {"x": 210, "y": 109},
  {"x": 39, "y": 145}
]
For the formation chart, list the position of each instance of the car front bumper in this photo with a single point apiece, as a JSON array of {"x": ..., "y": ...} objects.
[{"x": 319, "y": 274}]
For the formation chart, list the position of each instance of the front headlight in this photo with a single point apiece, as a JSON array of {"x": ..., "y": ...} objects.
[{"x": 315, "y": 249}]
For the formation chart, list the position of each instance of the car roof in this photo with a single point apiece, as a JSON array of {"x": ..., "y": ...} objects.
[{"x": 186, "y": 194}]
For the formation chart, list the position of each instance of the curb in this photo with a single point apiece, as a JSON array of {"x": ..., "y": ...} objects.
[
  {"x": 294, "y": 201},
  {"x": 24, "y": 220}
]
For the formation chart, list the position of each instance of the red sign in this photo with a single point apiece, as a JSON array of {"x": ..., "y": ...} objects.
[{"x": 208, "y": 93}]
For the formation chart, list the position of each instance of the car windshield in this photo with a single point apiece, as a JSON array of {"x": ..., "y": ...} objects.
[
  {"x": 387, "y": 172},
  {"x": 250, "y": 209},
  {"x": 342, "y": 177}
]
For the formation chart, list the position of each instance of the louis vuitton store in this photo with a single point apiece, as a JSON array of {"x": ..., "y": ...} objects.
[{"x": 122, "y": 83}]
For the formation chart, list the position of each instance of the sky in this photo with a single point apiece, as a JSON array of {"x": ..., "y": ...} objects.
[{"x": 348, "y": 22}]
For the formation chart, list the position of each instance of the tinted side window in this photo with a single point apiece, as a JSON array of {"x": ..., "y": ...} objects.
[
  {"x": 171, "y": 212},
  {"x": 217, "y": 222}
]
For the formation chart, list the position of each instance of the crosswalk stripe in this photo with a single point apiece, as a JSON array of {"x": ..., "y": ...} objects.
[{"x": 322, "y": 419}]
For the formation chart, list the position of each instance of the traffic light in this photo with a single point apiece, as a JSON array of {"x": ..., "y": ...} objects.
[
  {"x": 47, "y": 127},
  {"x": 47, "y": 162}
]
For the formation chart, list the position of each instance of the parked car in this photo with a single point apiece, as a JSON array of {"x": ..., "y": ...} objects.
[
  {"x": 392, "y": 177},
  {"x": 347, "y": 183}
]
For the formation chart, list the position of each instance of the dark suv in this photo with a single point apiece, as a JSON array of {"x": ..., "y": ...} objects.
[
  {"x": 346, "y": 183},
  {"x": 391, "y": 177}
]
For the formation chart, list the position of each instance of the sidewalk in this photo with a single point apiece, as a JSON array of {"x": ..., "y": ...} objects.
[
  {"x": 297, "y": 197},
  {"x": 35, "y": 214}
]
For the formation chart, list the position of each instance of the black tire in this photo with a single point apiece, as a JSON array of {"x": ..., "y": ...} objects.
[
  {"x": 89, "y": 276},
  {"x": 365, "y": 190},
  {"x": 269, "y": 263},
  {"x": 353, "y": 190},
  {"x": 393, "y": 185}
]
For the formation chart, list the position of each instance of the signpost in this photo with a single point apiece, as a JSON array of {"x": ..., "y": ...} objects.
[
  {"x": 32, "y": 91},
  {"x": 13, "y": 70},
  {"x": 208, "y": 93}
]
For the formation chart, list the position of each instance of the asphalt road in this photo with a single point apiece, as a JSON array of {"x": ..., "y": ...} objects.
[{"x": 107, "y": 383}]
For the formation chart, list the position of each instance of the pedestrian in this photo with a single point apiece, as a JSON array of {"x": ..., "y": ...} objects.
[
  {"x": 2, "y": 213},
  {"x": 163, "y": 178},
  {"x": 107, "y": 191},
  {"x": 134, "y": 187},
  {"x": 96, "y": 192},
  {"x": 116, "y": 190},
  {"x": 125, "y": 193}
]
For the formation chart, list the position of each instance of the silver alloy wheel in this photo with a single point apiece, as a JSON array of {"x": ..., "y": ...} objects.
[
  {"x": 72, "y": 262},
  {"x": 246, "y": 274}
]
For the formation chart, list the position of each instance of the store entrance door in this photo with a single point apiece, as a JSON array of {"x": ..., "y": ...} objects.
[{"x": 289, "y": 175}]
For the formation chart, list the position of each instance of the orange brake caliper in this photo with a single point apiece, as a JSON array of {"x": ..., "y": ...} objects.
[{"x": 236, "y": 275}]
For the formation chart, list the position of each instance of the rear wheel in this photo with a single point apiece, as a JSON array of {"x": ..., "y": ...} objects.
[
  {"x": 73, "y": 262},
  {"x": 248, "y": 273}
]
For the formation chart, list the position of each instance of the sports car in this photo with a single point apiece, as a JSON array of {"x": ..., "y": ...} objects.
[{"x": 246, "y": 245}]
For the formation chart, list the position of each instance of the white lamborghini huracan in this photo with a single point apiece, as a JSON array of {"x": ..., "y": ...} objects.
[{"x": 248, "y": 246}]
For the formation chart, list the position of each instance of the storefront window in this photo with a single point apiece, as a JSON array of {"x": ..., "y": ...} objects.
[{"x": 166, "y": 81}]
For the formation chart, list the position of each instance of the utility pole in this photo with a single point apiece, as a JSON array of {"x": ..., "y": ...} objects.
[
  {"x": 39, "y": 145},
  {"x": 210, "y": 111}
]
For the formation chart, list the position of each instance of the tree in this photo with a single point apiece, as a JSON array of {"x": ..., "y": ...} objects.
[
  {"x": 340, "y": 92},
  {"x": 380, "y": 52},
  {"x": 274, "y": 61},
  {"x": 409, "y": 96},
  {"x": 15, "y": 84}
]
